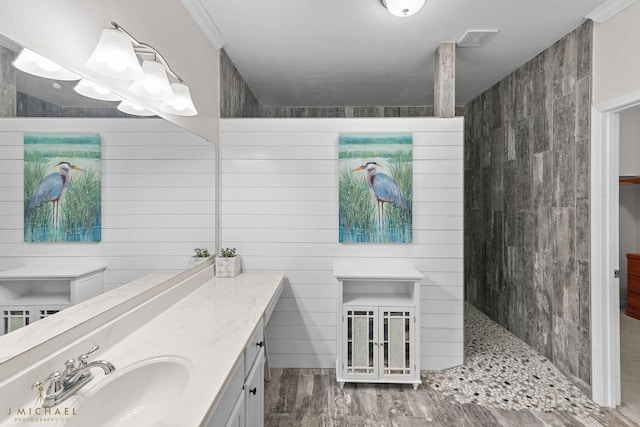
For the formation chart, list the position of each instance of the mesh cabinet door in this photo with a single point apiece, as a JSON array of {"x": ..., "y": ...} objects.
[
  {"x": 14, "y": 318},
  {"x": 396, "y": 342},
  {"x": 360, "y": 346}
]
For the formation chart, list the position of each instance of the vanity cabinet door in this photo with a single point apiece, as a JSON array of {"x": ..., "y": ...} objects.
[
  {"x": 236, "y": 419},
  {"x": 254, "y": 393},
  {"x": 230, "y": 410}
]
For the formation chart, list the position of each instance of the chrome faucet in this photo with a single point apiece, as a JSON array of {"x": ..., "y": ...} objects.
[{"x": 63, "y": 385}]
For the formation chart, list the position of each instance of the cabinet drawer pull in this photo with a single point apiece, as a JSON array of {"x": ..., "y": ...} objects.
[
  {"x": 253, "y": 391},
  {"x": 260, "y": 344}
]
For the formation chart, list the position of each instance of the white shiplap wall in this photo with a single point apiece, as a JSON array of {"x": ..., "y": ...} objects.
[
  {"x": 158, "y": 198},
  {"x": 279, "y": 208}
]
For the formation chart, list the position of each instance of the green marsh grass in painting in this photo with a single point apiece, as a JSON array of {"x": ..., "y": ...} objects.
[
  {"x": 62, "y": 187},
  {"x": 376, "y": 187}
]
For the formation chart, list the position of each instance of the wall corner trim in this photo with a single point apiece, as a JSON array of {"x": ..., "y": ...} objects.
[
  {"x": 608, "y": 9},
  {"x": 205, "y": 22},
  {"x": 605, "y": 328}
]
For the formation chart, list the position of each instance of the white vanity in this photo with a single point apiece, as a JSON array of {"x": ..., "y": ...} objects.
[
  {"x": 188, "y": 350},
  {"x": 378, "y": 321}
]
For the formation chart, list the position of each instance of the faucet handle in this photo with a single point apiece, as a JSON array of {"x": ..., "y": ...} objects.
[
  {"x": 56, "y": 386},
  {"x": 82, "y": 359},
  {"x": 54, "y": 377}
]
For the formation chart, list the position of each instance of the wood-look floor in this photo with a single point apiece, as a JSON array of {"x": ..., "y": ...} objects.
[
  {"x": 311, "y": 397},
  {"x": 630, "y": 365}
]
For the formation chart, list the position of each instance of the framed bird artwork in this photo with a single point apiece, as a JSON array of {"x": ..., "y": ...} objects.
[
  {"x": 376, "y": 187},
  {"x": 62, "y": 187}
]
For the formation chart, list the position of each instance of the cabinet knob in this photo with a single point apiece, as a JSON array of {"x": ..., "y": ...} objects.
[
  {"x": 253, "y": 391},
  {"x": 260, "y": 344}
]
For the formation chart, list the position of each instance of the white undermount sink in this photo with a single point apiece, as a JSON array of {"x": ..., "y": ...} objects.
[{"x": 139, "y": 395}]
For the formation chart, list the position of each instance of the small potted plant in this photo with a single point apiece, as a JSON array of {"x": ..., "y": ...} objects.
[
  {"x": 202, "y": 254},
  {"x": 228, "y": 264}
]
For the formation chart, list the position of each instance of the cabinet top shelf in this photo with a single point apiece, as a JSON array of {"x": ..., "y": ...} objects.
[
  {"x": 376, "y": 272},
  {"x": 388, "y": 300},
  {"x": 50, "y": 272},
  {"x": 40, "y": 299}
]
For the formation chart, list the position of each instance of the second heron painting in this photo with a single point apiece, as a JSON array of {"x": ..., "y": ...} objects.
[
  {"x": 62, "y": 187},
  {"x": 376, "y": 187}
]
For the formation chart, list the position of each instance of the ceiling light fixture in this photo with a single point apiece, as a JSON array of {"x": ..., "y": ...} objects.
[
  {"x": 403, "y": 8},
  {"x": 36, "y": 64},
  {"x": 181, "y": 104},
  {"x": 154, "y": 85},
  {"x": 114, "y": 56},
  {"x": 92, "y": 90},
  {"x": 135, "y": 109},
  {"x": 118, "y": 55}
]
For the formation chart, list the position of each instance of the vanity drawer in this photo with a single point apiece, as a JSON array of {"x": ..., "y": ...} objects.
[
  {"x": 253, "y": 346},
  {"x": 633, "y": 284},
  {"x": 633, "y": 305},
  {"x": 633, "y": 265}
]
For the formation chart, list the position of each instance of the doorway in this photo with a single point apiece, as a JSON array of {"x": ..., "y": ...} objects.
[
  {"x": 605, "y": 249},
  {"x": 629, "y": 238}
]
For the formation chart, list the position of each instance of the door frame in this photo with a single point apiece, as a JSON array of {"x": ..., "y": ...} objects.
[{"x": 605, "y": 235}]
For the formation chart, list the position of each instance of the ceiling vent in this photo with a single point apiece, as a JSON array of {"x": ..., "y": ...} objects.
[{"x": 476, "y": 38}]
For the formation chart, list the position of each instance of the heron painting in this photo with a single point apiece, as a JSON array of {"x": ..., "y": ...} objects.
[
  {"x": 376, "y": 187},
  {"x": 62, "y": 187}
]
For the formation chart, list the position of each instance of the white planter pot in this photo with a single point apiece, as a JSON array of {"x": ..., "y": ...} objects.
[{"x": 228, "y": 266}]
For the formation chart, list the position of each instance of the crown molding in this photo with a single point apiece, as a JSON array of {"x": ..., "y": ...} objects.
[
  {"x": 205, "y": 22},
  {"x": 608, "y": 9}
]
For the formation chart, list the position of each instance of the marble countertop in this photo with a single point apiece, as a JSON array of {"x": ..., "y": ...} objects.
[
  {"x": 198, "y": 319},
  {"x": 209, "y": 329}
]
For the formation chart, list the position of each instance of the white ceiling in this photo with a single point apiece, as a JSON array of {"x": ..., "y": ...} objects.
[{"x": 354, "y": 52}]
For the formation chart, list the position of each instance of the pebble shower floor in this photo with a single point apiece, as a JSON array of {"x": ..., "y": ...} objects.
[{"x": 502, "y": 371}]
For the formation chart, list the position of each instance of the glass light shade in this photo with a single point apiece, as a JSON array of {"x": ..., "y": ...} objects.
[
  {"x": 92, "y": 90},
  {"x": 403, "y": 8},
  {"x": 134, "y": 109},
  {"x": 114, "y": 57},
  {"x": 181, "y": 104},
  {"x": 33, "y": 63},
  {"x": 154, "y": 85}
]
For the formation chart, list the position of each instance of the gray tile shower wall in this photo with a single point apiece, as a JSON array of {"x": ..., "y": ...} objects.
[
  {"x": 7, "y": 83},
  {"x": 238, "y": 101},
  {"x": 236, "y": 98},
  {"x": 527, "y": 203},
  {"x": 352, "y": 111}
]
